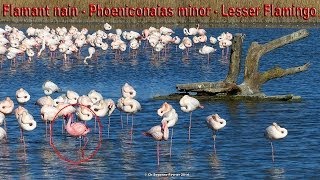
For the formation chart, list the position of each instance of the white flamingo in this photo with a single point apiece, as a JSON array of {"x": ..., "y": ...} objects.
[
  {"x": 189, "y": 104},
  {"x": 215, "y": 122},
  {"x": 22, "y": 96},
  {"x": 91, "y": 51},
  {"x": 275, "y": 132}
]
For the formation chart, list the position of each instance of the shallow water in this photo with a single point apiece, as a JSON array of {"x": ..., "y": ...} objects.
[{"x": 242, "y": 150}]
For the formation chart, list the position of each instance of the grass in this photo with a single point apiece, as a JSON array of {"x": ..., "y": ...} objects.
[{"x": 211, "y": 19}]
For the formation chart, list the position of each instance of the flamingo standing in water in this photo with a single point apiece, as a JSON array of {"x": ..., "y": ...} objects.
[
  {"x": 131, "y": 106},
  {"x": 26, "y": 122},
  {"x": 170, "y": 116},
  {"x": 48, "y": 113},
  {"x": 127, "y": 92},
  {"x": 111, "y": 107},
  {"x": 275, "y": 132},
  {"x": 207, "y": 50},
  {"x": 215, "y": 122},
  {"x": 189, "y": 104},
  {"x": 91, "y": 51},
  {"x": 159, "y": 133},
  {"x": 77, "y": 129}
]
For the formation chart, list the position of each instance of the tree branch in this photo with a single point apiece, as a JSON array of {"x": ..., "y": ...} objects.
[
  {"x": 278, "y": 72},
  {"x": 257, "y": 50},
  {"x": 236, "y": 51},
  {"x": 284, "y": 40},
  {"x": 252, "y": 77}
]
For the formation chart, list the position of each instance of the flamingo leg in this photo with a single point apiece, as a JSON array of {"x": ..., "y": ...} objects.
[
  {"x": 50, "y": 129},
  {"x": 131, "y": 126},
  {"x": 95, "y": 124},
  {"x": 227, "y": 53},
  {"x": 158, "y": 152},
  {"x": 5, "y": 125},
  {"x": 190, "y": 125},
  {"x": 127, "y": 119},
  {"x": 171, "y": 141},
  {"x": 22, "y": 137},
  {"x": 121, "y": 120},
  {"x": 272, "y": 151},
  {"x": 222, "y": 53},
  {"x": 46, "y": 129},
  {"x": 214, "y": 142},
  {"x": 108, "y": 126}
]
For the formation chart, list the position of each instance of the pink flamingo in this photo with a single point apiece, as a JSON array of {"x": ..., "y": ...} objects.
[
  {"x": 159, "y": 133},
  {"x": 170, "y": 116},
  {"x": 77, "y": 129},
  {"x": 215, "y": 122}
]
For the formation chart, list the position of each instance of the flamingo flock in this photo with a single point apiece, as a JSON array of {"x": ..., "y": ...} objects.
[
  {"x": 76, "y": 110},
  {"x": 62, "y": 43}
]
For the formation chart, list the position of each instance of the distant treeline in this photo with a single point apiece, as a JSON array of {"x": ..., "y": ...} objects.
[{"x": 160, "y": 11}]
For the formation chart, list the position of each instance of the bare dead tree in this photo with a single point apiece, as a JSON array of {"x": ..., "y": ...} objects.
[{"x": 253, "y": 79}]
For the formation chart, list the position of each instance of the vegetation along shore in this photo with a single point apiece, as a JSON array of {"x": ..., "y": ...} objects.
[{"x": 165, "y": 11}]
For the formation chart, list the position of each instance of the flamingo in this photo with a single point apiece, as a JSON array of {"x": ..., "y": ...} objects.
[
  {"x": 166, "y": 31},
  {"x": 84, "y": 113},
  {"x": 65, "y": 110},
  {"x": 100, "y": 109},
  {"x": 107, "y": 26},
  {"x": 111, "y": 107},
  {"x": 48, "y": 113},
  {"x": 95, "y": 96},
  {"x": 50, "y": 87},
  {"x": 189, "y": 104},
  {"x": 91, "y": 51},
  {"x": 45, "y": 100},
  {"x": 22, "y": 96},
  {"x": 170, "y": 116},
  {"x": 215, "y": 122},
  {"x": 176, "y": 40},
  {"x": 207, "y": 50},
  {"x": 213, "y": 40},
  {"x": 275, "y": 132},
  {"x": 159, "y": 133},
  {"x": 26, "y": 122},
  {"x": 30, "y": 54},
  {"x": 85, "y": 101},
  {"x": 131, "y": 106},
  {"x": 72, "y": 97},
  {"x": 6, "y": 106},
  {"x": 128, "y": 91},
  {"x": 77, "y": 129},
  {"x": 191, "y": 31}
]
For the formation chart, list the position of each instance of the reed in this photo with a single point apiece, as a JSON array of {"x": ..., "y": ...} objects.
[{"x": 211, "y": 19}]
